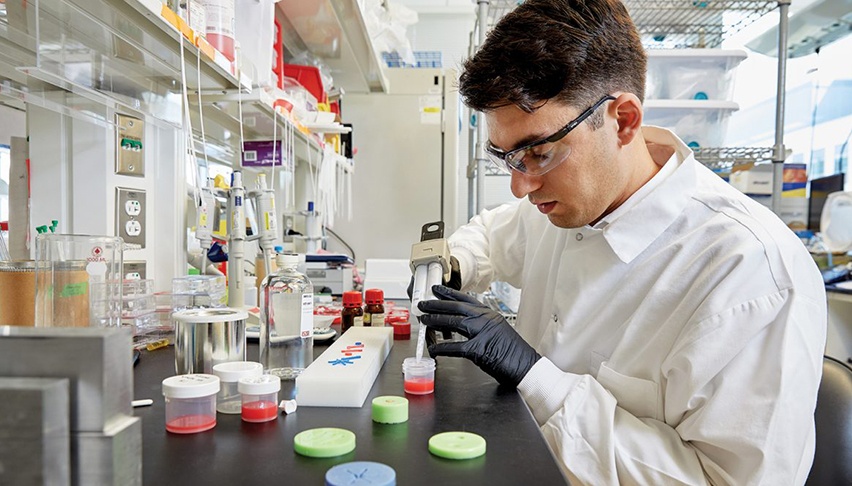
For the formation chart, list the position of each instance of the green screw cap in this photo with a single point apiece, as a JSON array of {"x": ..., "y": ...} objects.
[
  {"x": 324, "y": 442},
  {"x": 457, "y": 445}
]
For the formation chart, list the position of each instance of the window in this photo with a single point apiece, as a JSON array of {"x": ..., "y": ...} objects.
[
  {"x": 817, "y": 168},
  {"x": 841, "y": 158}
]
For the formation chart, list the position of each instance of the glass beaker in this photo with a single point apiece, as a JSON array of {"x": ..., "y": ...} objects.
[{"x": 78, "y": 280}]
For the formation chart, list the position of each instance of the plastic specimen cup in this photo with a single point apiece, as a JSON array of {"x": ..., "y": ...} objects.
[
  {"x": 229, "y": 374},
  {"x": 259, "y": 397},
  {"x": 419, "y": 375},
  {"x": 190, "y": 403}
]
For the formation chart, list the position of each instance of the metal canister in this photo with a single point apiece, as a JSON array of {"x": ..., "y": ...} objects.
[
  {"x": 207, "y": 337},
  {"x": 17, "y": 293}
]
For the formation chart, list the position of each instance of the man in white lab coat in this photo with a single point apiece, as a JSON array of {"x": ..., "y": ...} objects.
[{"x": 670, "y": 330}]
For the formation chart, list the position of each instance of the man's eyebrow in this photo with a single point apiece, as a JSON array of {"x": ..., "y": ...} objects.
[{"x": 524, "y": 141}]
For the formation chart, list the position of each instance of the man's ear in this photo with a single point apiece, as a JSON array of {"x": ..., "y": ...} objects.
[{"x": 627, "y": 111}]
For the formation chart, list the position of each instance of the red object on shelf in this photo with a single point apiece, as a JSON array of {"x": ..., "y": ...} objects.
[
  {"x": 278, "y": 49},
  {"x": 309, "y": 77}
]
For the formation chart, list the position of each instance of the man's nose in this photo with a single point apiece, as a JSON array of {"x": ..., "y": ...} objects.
[{"x": 523, "y": 184}]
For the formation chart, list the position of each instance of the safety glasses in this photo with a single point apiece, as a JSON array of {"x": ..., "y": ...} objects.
[{"x": 542, "y": 156}]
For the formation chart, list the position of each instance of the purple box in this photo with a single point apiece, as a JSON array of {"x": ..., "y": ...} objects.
[{"x": 260, "y": 153}]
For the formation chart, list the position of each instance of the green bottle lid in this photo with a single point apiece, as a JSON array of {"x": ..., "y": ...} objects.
[
  {"x": 390, "y": 410},
  {"x": 457, "y": 445},
  {"x": 324, "y": 442}
]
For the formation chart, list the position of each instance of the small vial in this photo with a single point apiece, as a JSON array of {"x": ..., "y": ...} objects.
[
  {"x": 259, "y": 398},
  {"x": 229, "y": 375},
  {"x": 190, "y": 403},
  {"x": 419, "y": 375},
  {"x": 352, "y": 313},
  {"x": 374, "y": 311}
]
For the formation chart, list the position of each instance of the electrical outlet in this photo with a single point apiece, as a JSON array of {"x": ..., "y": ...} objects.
[
  {"x": 130, "y": 221},
  {"x": 132, "y": 207},
  {"x": 135, "y": 269},
  {"x": 132, "y": 228}
]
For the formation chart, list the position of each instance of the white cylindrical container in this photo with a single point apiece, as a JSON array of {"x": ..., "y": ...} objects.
[
  {"x": 228, "y": 400},
  {"x": 190, "y": 403},
  {"x": 259, "y": 398}
]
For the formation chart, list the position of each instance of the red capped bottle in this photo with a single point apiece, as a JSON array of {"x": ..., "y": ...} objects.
[
  {"x": 374, "y": 311},
  {"x": 352, "y": 313}
]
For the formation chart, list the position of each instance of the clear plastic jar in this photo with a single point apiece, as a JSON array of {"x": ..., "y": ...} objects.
[
  {"x": 419, "y": 375},
  {"x": 229, "y": 375},
  {"x": 190, "y": 403},
  {"x": 259, "y": 398}
]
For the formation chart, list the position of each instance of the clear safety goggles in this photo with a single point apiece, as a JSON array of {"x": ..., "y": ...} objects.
[{"x": 542, "y": 156}]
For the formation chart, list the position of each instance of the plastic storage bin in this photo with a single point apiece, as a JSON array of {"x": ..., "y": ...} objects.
[
  {"x": 698, "y": 123},
  {"x": 692, "y": 74}
]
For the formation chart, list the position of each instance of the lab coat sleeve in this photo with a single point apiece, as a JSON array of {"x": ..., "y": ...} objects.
[
  {"x": 739, "y": 395},
  {"x": 491, "y": 247}
]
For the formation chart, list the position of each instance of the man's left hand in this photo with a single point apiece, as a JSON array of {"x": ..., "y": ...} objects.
[{"x": 492, "y": 343}]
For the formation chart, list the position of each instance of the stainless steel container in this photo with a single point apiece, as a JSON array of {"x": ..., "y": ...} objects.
[{"x": 207, "y": 337}]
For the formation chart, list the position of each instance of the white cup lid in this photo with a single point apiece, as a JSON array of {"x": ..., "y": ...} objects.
[
  {"x": 259, "y": 385},
  {"x": 190, "y": 386},
  {"x": 232, "y": 371}
]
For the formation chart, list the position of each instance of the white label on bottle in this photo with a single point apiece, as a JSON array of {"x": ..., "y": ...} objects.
[
  {"x": 358, "y": 321},
  {"x": 307, "y": 315},
  {"x": 220, "y": 17},
  {"x": 197, "y": 17},
  {"x": 378, "y": 320}
]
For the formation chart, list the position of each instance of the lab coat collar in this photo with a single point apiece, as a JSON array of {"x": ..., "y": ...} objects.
[{"x": 630, "y": 232}]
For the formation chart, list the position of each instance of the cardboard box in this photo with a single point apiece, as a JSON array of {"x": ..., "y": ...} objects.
[{"x": 758, "y": 180}]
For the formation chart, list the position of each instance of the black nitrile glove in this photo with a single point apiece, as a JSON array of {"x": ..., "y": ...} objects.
[{"x": 492, "y": 343}]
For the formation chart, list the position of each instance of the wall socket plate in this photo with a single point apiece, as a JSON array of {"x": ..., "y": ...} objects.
[
  {"x": 135, "y": 269},
  {"x": 129, "y": 150},
  {"x": 130, "y": 221}
]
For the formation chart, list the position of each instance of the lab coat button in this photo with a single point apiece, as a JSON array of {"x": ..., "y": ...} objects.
[{"x": 579, "y": 237}]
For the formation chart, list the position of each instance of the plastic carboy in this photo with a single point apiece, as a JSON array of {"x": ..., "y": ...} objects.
[{"x": 287, "y": 319}]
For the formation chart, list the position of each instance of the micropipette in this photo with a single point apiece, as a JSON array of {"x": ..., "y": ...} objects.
[{"x": 430, "y": 264}]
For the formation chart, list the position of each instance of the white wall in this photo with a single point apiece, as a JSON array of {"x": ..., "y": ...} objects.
[
  {"x": 448, "y": 30},
  {"x": 13, "y": 123}
]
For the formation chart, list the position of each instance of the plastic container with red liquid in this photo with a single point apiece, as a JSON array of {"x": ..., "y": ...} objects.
[
  {"x": 419, "y": 376},
  {"x": 190, "y": 403},
  {"x": 260, "y": 398},
  {"x": 221, "y": 25}
]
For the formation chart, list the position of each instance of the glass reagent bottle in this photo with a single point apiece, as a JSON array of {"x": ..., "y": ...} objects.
[{"x": 287, "y": 316}]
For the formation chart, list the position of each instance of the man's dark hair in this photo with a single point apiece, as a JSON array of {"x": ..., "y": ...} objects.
[{"x": 574, "y": 51}]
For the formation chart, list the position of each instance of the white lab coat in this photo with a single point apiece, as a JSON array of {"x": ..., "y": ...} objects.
[{"x": 682, "y": 336}]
